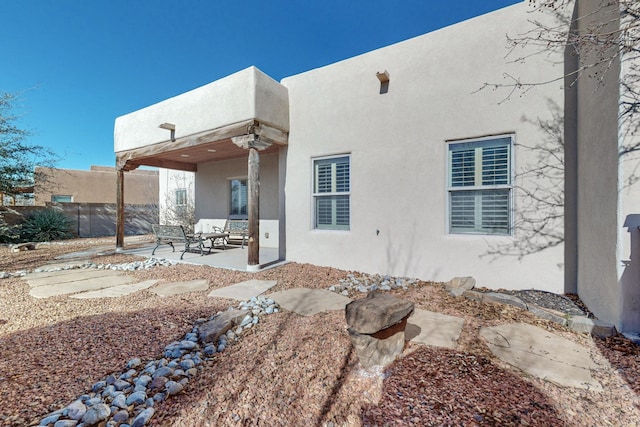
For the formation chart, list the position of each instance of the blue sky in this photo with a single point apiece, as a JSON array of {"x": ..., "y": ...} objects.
[{"x": 79, "y": 64}]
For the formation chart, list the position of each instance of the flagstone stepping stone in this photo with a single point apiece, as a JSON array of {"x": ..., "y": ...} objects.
[
  {"x": 440, "y": 330},
  {"x": 79, "y": 283},
  {"x": 46, "y": 278},
  {"x": 175, "y": 288},
  {"x": 244, "y": 290},
  {"x": 308, "y": 302},
  {"x": 542, "y": 354},
  {"x": 116, "y": 291}
]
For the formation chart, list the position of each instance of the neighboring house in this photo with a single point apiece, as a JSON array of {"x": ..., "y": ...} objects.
[
  {"x": 393, "y": 162},
  {"x": 96, "y": 185},
  {"x": 176, "y": 197}
]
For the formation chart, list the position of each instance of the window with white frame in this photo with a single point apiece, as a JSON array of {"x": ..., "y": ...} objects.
[
  {"x": 238, "y": 205},
  {"x": 61, "y": 199},
  {"x": 331, "y": 193},
  {"x": 480, "y": 186},
  {"x": 181, "y": 197}
]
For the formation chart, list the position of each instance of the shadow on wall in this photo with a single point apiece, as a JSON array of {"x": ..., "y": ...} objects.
[
  {"x": 630, "y": 279},
  {"x": 404, "y": 256}
]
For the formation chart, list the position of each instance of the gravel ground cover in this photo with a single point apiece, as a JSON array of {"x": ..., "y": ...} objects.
[{"x": 288, "y": 370}]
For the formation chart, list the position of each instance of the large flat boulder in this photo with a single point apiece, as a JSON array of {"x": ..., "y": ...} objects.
[{"x": 376, "y": 312}]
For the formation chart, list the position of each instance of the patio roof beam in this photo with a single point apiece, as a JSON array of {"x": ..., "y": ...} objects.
[{"x": 162, "y": 163}]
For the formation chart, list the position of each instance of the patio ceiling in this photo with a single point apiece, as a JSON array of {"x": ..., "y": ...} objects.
[{"x": 186, "y": 153}]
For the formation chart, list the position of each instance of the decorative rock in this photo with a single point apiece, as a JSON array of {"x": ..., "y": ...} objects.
[
  {"x": 188, "y": 345},
  {"x": 456, "y": 292},
  {"x": 120, "y": 416},
  {"x": 143, "y": 418},
  {"x": 136, "y": 398},
  {"x": 129, "y": 374},
  {"x": 66, "y": 423},
  {"x": 143, "y": 380},
  {"x": 473, "y": 295},
  {"x": 158, "y": 383},
  {"x": 50, "y": 419},
  {"x": 121, "y": 385},
  {"x": 98, "y": 386},
  {"x": 109, "y": 391},
  {"x": 548, "y": 315},
  {"x": 96, "y": 413},
  {"x": 173, "y": 388},
  {"x": 376, "y": 312},
  {"x": 504, "y": 299},
  {"x": 76, "y": 410},
  {"x": 165, "y": 371},
  {"x": 376, "y": 328},
  {"x": 246, "y": 320},
  {"x": 211, "y": 330},
  {"x": 187, "y": 364},
  {"x": 209, "y": 350},
  {"x": 92, "y": 401},
  {"x": 120, "y": 401},
  {"x": 466, "y": 283},
  {"x": 134, "y": 363},
  {"x": 594, "y": 327}
]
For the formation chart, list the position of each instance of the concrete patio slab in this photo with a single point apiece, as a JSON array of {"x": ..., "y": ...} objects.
[
  {"x": 427, "y": 327},
  {"x": 175, "y": 288},
  {"x": 542, "y": 354},
  {"x": 116, "y": 291},
  {"x": 81, "y": 285},
  {"x": 244, "y": 290},
  {"x": 308, "y": 302}
]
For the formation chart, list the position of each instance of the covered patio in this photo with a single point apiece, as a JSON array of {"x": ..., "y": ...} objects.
[
  {"x": 242, "y": 116},
  {"x": 233, "y": 258}
]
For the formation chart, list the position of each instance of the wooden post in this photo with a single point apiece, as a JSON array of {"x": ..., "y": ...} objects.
[
  {"x": 119, "y": 210},
  {"x": 253, "y": 199}
]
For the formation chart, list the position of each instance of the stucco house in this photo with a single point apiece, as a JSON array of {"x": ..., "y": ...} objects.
[{"x": 395, "y": 162}]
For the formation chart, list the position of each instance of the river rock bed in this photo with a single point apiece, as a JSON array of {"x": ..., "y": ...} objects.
[
  {"x": 128, "y": 266},
  {"x": 127, "y": 398},
  {"x": 367, "y": 282}
]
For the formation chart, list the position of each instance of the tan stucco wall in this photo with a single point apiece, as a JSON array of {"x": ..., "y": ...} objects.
[
  {"x": 397, "y": 143},
  {"x": 98, "y": 185}
]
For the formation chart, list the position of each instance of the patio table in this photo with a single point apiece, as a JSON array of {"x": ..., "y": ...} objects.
[{"x": 212, "y": 237}]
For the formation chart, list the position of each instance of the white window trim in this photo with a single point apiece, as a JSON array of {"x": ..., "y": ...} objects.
[
  {"x": 186, "y": 196},
  {"x": 314, "y": 194},
  {"x": 511, "y": 186}
]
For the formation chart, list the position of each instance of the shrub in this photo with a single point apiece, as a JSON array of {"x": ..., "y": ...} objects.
[
  {"x": 8, "y": 233},
  {"x": 45, "y": 226}
]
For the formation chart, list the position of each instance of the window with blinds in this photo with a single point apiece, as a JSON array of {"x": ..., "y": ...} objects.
[
  {"x": 331, "y": 193},
  {"x": 480, "y": 186},
  {"x": 238, "y": 205}
]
